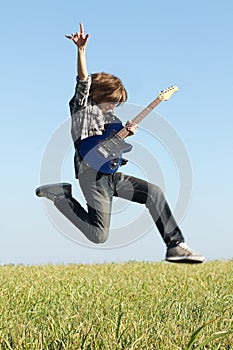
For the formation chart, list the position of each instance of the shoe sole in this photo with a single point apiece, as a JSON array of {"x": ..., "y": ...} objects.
[
  {"x": 185, "y": 260},
  {"x": 40, "y": 189}
]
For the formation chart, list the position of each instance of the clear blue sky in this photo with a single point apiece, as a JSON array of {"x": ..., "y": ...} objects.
[{"x": 150, "y": 45}]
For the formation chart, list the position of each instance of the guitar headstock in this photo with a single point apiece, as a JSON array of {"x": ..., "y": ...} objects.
[{"x": 165, "y": 94}]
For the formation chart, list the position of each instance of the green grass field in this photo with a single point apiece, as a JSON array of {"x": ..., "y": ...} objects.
[{"x": 131, "y": 305}]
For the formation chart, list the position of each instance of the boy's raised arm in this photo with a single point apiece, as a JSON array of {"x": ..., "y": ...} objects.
[{"x": 80, "y": 41}]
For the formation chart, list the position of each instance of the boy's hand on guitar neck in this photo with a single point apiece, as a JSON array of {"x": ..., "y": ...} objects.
[{"x": 131, "y": 127}]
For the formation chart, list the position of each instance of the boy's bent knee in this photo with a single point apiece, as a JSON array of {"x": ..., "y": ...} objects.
[
  {"x": 101, "y": 236},
  {"x": 155, "y": 191}
]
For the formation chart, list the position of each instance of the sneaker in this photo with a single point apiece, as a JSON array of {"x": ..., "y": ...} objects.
[
  {"x": 54, "y": 191},
  {"x": 181, "y": 253}
]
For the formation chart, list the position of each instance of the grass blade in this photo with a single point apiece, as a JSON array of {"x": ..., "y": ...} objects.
[
  {"x": 195, "y": 334},
  {"x": 214, "y": 337}
]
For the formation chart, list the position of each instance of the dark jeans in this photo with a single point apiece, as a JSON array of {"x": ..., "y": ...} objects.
[{"x": 99, "y": 190}]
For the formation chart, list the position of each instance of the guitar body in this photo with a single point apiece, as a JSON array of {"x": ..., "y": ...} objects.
[{"x": 104, "y": 152}]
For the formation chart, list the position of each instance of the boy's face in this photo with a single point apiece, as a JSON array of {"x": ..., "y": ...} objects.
[{"x": 106, "y": 107}]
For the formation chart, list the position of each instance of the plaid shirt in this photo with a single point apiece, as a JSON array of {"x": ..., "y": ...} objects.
[{"x": 87, "y": 119}]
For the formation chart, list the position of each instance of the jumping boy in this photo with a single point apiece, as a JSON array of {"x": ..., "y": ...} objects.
[{"x": 92, "y": 109}]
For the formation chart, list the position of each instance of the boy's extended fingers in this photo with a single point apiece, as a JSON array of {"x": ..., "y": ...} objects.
[{"x": 81, "y": 28}]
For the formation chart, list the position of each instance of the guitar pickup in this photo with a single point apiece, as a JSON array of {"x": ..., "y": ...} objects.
[{"x": 103, "y": 152}]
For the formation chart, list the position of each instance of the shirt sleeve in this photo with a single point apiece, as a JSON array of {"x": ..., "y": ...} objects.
[{"x": 79, "y": 100}]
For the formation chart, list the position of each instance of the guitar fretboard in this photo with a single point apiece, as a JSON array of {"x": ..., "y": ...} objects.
[{"x": 123, "y": 133}]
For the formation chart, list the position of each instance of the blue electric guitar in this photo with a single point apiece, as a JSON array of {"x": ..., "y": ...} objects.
[{"x": 104, "y": 152}]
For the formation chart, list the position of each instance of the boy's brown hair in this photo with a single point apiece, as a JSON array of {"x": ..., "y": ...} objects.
[{"x": 106, "y": 87}]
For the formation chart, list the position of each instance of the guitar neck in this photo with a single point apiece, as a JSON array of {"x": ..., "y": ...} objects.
[{"x": 123, "y": 133}]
